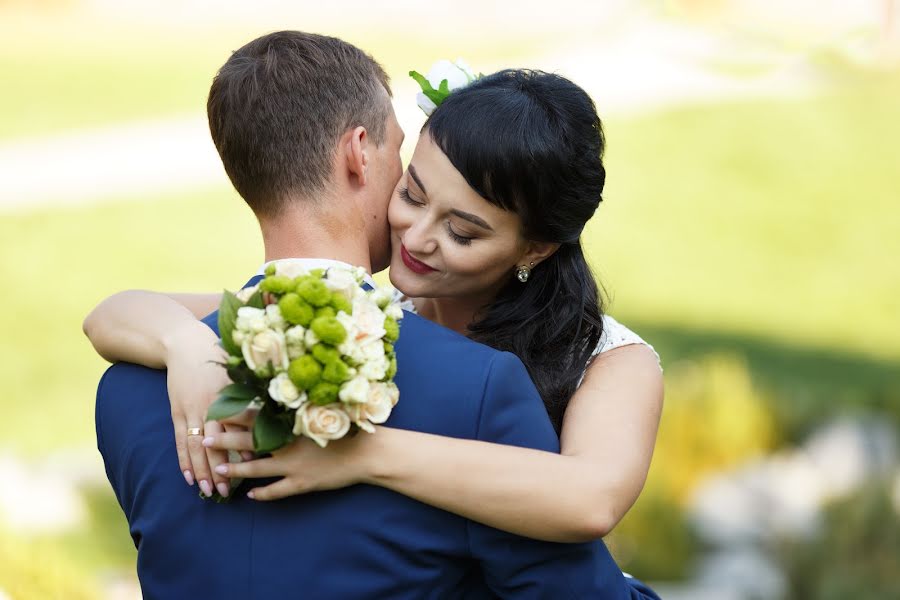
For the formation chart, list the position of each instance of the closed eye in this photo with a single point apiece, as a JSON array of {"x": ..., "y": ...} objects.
[
  {"x": 459, "y": 239},
  {"x": 404, "y": 194}
]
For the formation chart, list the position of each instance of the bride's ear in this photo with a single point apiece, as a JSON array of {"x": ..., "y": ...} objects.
[
  {"x": 356, "y": 153},
  {"x": 538, "y": 252}
]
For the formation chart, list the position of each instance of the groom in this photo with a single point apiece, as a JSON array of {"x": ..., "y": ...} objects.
[{"x": 305, "y": 129}]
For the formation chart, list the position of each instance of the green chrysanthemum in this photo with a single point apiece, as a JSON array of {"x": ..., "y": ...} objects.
[
  {"x": 391, "y": 329},
  {"x": 323, "y": 393},
  {"x": 305, "y": 372},
  {"x": 336, "y": 371},
  {"x": 295, "y": 310},
  {"x": 277, "y": 284},
  {"x": 313, "y": 290},
  {"x": 340, "y": 302},
  {"x": 329, "y": 330}
]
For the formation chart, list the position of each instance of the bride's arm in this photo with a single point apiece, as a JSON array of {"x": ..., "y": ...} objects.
[
  {"x": 607, "y": 441},
  {"x": 163, "y": 331},
  {"x": 140, "y": 327}
]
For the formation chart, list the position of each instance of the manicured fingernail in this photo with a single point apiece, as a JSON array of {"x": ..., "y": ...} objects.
[
  {"x": 223, "y": 489},
  {"x": 247, "y": 455},
  {"x": 208, "y": 441},
  {"x": 222, "y": 469},
  {"x": 189, "y": 477},
  {"x": 251, "y": 495},
  {"x": 207, "y": 489}
]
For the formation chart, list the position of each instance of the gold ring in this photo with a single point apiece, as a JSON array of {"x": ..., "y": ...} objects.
[{"x": 193, "y": 431}]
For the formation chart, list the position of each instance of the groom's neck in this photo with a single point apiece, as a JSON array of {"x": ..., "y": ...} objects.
[{"x": 316, "y": 233}]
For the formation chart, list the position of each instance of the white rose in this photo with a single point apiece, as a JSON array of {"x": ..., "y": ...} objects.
[
  {"x": 425, "y": 103},
  {"x": 290, "y": 268},
  {"x": 250, "y": 319},
  {"x": 264, "y": 348},
  {"x": 457, "y": 74},
  {"x": 343, "y": 281},
  {"x": 274, "y": 317},
  {"x": 380, "y": 402},
  {"x": 375, "y": 370},
  {"x": 359, "y": 416},
  {"x": 369, "y": 320},
  {"x": 321, "y": 423},
  {"x": 244, "y": 294},
  {"x": 239, "y": 336},
  {"x": 355, "y": 391},
  {"x": 394, "y": 311},
  {"x": 294, "y": 337},
  {"x": 373, "y": 350},
  {"x": 283, "y": 391}
]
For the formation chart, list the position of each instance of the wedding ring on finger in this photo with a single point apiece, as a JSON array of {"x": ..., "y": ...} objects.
[{"x": 194, "y": 431}]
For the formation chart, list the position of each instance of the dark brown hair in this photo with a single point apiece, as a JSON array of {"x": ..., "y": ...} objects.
[{"x": 278, "y": 106}]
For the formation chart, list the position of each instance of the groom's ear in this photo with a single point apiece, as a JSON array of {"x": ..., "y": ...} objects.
[{"x": 356, "y": 153}]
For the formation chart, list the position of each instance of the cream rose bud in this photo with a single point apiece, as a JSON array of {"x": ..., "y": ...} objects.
[
  {"x": 266, "y": 347},
  {"x": 250, "y": 319},
  {"x": 294, "y": 337},
  {"x": 321, "y": 423},
  {"x": 244, "y": 294},
  {"x": 355, "y": 391},
  {"x": 290, "y": 268},
  {"x": 394, "y": 311},
  {"x": 379, "y": 403},
  {"x": 239, "y": 336},
  {"x": 274, "y": 317},
  {"x": 342, "y": 281},
  {"x": 375, "y": 370},
  {"x": 283, "y": 391}
]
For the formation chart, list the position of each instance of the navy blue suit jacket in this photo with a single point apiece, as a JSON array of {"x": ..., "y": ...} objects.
[{"x": 357, "y": 542}]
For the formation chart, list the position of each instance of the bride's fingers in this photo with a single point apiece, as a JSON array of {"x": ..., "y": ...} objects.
[
  {"x": 216, "y": 458},
  {"x": 274, "y": 491},
  {"x": 184, "y": 458},
  {"x": 241, "y": 441},
  {"x": 261, "y": 467},
  {"x": 198, "y": 457}
]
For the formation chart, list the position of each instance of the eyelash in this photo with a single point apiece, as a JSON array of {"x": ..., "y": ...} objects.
[{"x": 459, "y": 239}]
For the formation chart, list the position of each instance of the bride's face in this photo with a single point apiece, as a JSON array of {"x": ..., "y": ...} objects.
[{"x": 447, "y": 241}]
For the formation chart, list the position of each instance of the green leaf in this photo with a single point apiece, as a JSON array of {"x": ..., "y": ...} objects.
[
  {"x": 422, "y": 81},
  {"x": 227, "y": 317},
  {"x": 270, "y": 431},
  {"x": 436, "y": 96},
  {"x": 239, "y": 391},
  {"x": 256, "y": 300},
  {"x": 225, "y": 407},
  {"x": 444, "y": 88}
]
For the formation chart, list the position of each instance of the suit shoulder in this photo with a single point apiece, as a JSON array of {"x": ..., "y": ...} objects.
[{"x": 419, "y": 330}]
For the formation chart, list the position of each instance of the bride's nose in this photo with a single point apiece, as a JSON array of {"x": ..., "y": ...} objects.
[{"x": 419, "y": 238}]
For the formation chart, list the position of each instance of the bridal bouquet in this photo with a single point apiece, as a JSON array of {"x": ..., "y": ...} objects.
[{"x": 313, "y": 351}]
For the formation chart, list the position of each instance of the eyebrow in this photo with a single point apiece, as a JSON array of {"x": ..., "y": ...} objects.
[
  {"x": 471, "y": 219},
  {"x": 412, "y": 171}
]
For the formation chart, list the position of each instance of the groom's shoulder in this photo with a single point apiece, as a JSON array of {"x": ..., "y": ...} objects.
[{"x": 424, "y": 339}]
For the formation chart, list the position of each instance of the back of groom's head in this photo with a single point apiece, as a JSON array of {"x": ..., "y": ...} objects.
[{"x": 278, "y": 107}]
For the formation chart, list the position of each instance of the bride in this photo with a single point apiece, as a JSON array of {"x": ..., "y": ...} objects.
[{"x": 485, "y": 231}]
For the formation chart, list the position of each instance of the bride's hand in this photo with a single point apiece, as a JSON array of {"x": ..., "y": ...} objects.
[
  {"x": 302, "y": 465},
  {"x": 195, "y": 377}
]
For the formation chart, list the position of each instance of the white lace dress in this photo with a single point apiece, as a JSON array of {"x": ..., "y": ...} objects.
[{"x": 615, "y": 335}]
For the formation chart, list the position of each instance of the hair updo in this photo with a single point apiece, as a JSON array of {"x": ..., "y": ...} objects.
[{"x": 531, "y": 142}]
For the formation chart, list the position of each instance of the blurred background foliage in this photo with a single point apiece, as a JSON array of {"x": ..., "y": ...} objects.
[{"x": 749, "y": 239}]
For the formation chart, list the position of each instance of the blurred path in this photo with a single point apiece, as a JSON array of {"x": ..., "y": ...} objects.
[{"x": 649, "y": 64}]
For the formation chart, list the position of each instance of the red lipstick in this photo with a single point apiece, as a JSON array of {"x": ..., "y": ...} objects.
[{"x": 416, "y": 266}]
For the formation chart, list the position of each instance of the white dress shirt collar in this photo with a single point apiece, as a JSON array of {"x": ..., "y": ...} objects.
[{"x": 317, "y": 263}]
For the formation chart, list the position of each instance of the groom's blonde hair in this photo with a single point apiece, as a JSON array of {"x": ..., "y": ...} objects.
[{"x": 278, "y": 107}]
